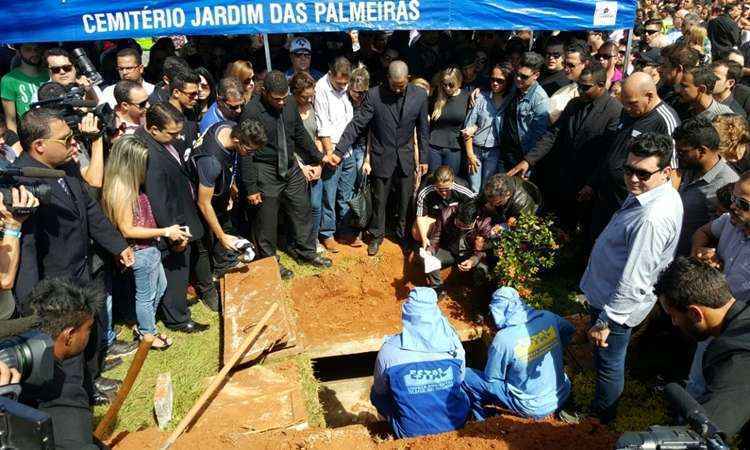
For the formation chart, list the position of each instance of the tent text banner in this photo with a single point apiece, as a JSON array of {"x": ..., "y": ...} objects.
[{"x": 72, "y": 20}]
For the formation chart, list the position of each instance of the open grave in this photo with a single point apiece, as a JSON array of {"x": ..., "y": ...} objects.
[{"x": 338, "y": 319}]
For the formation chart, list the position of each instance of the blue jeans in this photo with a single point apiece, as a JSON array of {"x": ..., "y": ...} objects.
[
  {"x": 150, "y": 284},
  {"x": 444, "y": 156},
  {"x": 109, "y": 333},
  {"x": 489, "y": 164},
  {"x": 351, "y": 176},
  {"x": 330, "y": 182},
  {"x": 316, "y": 204},
  {"x": 609, "y": 363}
]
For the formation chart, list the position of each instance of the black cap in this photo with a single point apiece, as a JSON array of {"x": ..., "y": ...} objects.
[{"x": 651, "y": 57}]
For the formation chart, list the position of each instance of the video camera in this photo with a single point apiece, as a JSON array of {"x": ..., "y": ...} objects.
[
  {"x": 700, "y": 434},
  {"x": 71, "y": 103},
  {"x": 23, "y": 427},
  {"x": 42, "y": 191}
]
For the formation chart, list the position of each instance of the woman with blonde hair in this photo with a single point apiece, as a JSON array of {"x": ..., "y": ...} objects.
[
  {"x": 243, "y": 70},
  {"x": 734, "y": 139},
  {"x": 128, "y": 208},
  {"x": 696, "y": 38},
  {"x": 446, "y": 121}
]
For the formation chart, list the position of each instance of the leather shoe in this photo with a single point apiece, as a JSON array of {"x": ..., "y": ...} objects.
[
  {"x": 285, "y": 273},
  {"x": 373, "y": 248},
  {"x": 110, "y": 364},
  {"x": 211, "y": 299},
  {"x": 330, "y": 245},
  {"x": 189, "y": 327},
  {"x": 107, "y": 384},
  {"x": 319, "y": 261},
  {"x": 99, "y": 398},
  {"x": 121, "y": 348}
]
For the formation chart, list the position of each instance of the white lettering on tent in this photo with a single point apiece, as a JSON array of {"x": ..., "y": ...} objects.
[{"x": 366, "y": 11}]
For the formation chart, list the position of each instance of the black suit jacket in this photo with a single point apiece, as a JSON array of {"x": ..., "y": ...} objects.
[
  {"x": 169, "y": 187},
  {"x": 55, "y": 240},
  {"x": 391, "y": 137}
]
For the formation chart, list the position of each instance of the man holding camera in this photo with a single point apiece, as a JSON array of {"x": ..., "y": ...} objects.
[
  {"x": 697, "y": 298},
  {"x": 56, "y": 239},
  {"x": 63, "y": 71}
]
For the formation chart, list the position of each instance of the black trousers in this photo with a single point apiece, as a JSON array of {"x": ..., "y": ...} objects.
[
  {"x": 381, "y": 188},
  {"x": 291, "y": 195},
  {"x": 177, "y": 268},
  {"x": 222, "y": 258}
]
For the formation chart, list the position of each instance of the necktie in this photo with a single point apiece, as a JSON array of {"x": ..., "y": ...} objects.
[{"x": 281, "y": 144}]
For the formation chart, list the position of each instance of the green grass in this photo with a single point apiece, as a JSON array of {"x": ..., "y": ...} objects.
[
  {"x": 310, "y": 387},
  {"x": 191, "y": 359}
]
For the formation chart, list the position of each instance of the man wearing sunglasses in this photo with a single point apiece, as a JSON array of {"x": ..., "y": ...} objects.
[
  {"x": 554, "y": 76},
  {"x": 637, "y": 244},
  {"x": 228, "y": 104},
  {"x": 725, "y": 242},
  {"x": 703, "y": 173},
  {"x": 576, "y": 59},
  {"x": 130, "y": 111},
  {"x": 184, "y": 96},
  {"x": 570, "y": 150},
  {"x": 63, "y": 71}
]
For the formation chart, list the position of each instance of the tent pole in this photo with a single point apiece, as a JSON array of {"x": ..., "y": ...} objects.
[
  {"x": 626, "y": 62},
  {"x": 268, "y": 52}
]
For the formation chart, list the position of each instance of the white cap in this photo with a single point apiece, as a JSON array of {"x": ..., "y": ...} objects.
[{"x": 300, "y": 45}]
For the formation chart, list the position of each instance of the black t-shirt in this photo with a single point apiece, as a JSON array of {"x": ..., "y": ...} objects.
[
  {"x": 552, "y": 81},
  {"x": 208, "y": 166},
  {"x": 430, "y": 203},
  {"x": 511, "y": 138},
  {"x": 446, "y": 129}
]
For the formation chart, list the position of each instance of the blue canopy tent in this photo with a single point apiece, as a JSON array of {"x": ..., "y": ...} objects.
[{"x": 79, "y": 20}]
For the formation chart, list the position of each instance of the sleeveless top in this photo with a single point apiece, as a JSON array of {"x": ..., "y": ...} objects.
[{"x": 143, "y": 217}]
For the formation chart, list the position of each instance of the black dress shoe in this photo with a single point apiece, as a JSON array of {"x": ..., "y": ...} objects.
[
  {"x": 285, "y": 273},
  {"x": 373, "y": 248},
  {"x": 119, "y": 348},
  {"x": 110, "y": 364},
  {"x": 106, "y": 384},
  {"x": 189, "y": 327},
  {"x": 211, "y": 299},
  {"x": 99, "y": 398},
  {"x": 319, "y": 261}
]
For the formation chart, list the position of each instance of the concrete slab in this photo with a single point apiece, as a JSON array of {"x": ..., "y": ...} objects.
[
  {"x": 254, "y": 400},
  {"x": 246, "y": 296},
  {"x": 347, "y": 402}
]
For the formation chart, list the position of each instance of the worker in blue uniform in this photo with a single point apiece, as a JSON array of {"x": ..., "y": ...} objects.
[{"x": 418, "y": 373}]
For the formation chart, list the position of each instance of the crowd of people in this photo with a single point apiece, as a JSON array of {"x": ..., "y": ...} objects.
[{"x": 199, "y": 159}]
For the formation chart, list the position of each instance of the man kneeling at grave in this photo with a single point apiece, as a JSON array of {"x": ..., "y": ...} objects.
[
  {"x": 524, "y": 372},
  {"x": 418, "y": 373}
]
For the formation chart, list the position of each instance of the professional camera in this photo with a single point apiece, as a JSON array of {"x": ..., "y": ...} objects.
[
  {"x": 701, "y": 434},
  {"x": 71, "y": 103},
  {"x": 86, "y": 68},
  {"x": 23, "y": 427},
  {"x": 41, "y": 191}
]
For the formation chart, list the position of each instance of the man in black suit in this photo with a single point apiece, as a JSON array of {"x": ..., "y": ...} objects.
[
  {"x": 172, "y": 197},
  {"x": 392, "y": 111},
  {"x": 55, "y": 242},
  {"x": 272, "y": 178}
]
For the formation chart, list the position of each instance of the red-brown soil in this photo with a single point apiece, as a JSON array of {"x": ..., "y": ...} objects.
[{"x": 362, "y": 296}]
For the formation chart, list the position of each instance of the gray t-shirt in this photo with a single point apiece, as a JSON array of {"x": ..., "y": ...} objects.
[
  {"x": 734, "y": 251},
  {"x": 715, "y": 109}
]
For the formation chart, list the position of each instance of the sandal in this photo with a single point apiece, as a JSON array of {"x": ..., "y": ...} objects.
[{"x": 159, "y": 337}]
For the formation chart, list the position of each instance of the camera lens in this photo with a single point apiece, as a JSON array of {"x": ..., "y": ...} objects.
[{"x": 16, "y": 354}]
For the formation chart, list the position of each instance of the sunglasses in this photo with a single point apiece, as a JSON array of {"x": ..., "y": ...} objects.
[
  {"x": 67, "y": 141},
  {"x": 497, "y": 80},
  {"x": 248, "y": 81},
  {"x": 642, "y": 175},
  {"x": 585, "y": 87},
  {"x": 555, "y": 55},
  {"x": 141, "y": 105},
  {"x": 740, "y": 203},
  {"x": 448, "y": 85},
  {"x": 523, "y": 76},
  {"x": 571, "y": 65},
  {"x": 65, "y": 68},
  {"x": 647, "y": 31},
  {"x": 190, "y": 95},
  {"x": 232, "y": 107},
  {"x": 302, "y": 55},
  {"x": 601, "y": 56}
]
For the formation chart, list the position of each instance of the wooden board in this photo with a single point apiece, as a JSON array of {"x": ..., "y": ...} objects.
[{"x": 246, "y": 295}]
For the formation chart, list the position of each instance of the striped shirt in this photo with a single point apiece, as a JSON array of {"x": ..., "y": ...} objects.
[{"x": 430, "y": 202}]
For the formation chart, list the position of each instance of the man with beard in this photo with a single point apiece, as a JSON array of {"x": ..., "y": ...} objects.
[
  {"x": 703, "y": 173},
  {"x": 700, "y": 303},
  {"x": 724, "y": 242},
  {"x": 18, "y": 87}
]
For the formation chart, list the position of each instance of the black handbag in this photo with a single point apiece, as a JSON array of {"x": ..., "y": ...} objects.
[{"x": 361, "y": 205}]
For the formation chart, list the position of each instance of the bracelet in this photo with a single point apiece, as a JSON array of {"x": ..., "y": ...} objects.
[{"x": 12, "y": 233}]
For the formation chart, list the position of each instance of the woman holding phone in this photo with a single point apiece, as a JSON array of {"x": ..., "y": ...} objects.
[{"x": 128, "y": 208}]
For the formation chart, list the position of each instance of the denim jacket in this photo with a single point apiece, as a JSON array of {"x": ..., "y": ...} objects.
[
  {"x": 532, "y": 116},
  {"x": 488, "y": 119}
]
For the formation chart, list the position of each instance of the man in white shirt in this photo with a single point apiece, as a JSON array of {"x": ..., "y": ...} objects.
[
  {"x": 129, "y": 67},
  {"x": 333, "y": 112}
]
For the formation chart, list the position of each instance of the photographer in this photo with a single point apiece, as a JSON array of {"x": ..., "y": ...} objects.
[
  {"x": 63, "y": 71},
  {"x": 66, "y": 314},
  {"x": 10, "y": 248},
  {"x": 697, "y": 298},
  {"x": 56, "y": 239}
]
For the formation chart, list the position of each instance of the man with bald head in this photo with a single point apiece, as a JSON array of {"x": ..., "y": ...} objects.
[
  {"x": 391, "y": 112},
  {"x": 643, "y": 112}
]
